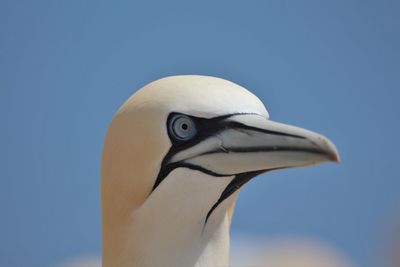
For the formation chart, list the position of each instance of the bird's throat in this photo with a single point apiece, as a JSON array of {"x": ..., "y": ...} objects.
[{"x": 169, "y": 230}]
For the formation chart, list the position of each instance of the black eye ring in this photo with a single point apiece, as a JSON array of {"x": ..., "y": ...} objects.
[{"x": 182, "y": 127}]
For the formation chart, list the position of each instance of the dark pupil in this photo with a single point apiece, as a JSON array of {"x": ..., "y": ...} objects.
[{"x": 184, "y": 126}]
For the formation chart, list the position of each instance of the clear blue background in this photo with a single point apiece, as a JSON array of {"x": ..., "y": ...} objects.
[{"x": 66, "y": 66}]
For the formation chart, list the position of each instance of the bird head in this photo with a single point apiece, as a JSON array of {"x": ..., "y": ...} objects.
[{"x": 181, "y": 147}]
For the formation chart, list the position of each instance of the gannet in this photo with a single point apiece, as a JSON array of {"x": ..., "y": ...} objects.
[{"x": 175, "y": 157}]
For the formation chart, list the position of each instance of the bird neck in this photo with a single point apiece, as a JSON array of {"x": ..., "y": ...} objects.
[{"x": 169, "y": 229}]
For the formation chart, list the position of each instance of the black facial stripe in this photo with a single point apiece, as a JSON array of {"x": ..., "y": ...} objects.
[
  {"x": 205, "y": 128},
  {"x": 233, "y": 186},
  {"x": 201, "y": 169},
  {"x": 168, "y": 168}
]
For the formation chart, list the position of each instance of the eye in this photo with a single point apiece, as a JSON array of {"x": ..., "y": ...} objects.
[{"x": 182, "y": 127}]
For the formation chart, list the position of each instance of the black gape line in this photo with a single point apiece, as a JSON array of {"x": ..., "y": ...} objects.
[{"x": 207, "y": 127}]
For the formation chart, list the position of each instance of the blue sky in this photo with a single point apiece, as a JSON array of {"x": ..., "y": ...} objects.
[{"x": 329, "y": 66}]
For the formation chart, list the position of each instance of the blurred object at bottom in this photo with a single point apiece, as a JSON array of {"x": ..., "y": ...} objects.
[
  {"x": 250, "y": 251},
  {"x": 286, "y": 252},
  {"x": 87, "y": 261},
  {"x": 390, "y": 248}
]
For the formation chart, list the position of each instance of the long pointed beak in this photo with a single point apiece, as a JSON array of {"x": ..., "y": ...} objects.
[{"x": 250, "y": 143}]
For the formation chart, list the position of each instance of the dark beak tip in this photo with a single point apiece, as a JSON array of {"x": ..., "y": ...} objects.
[
  {"x": 334, "y": 156},
  {"x": 329, "y": 149}
]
